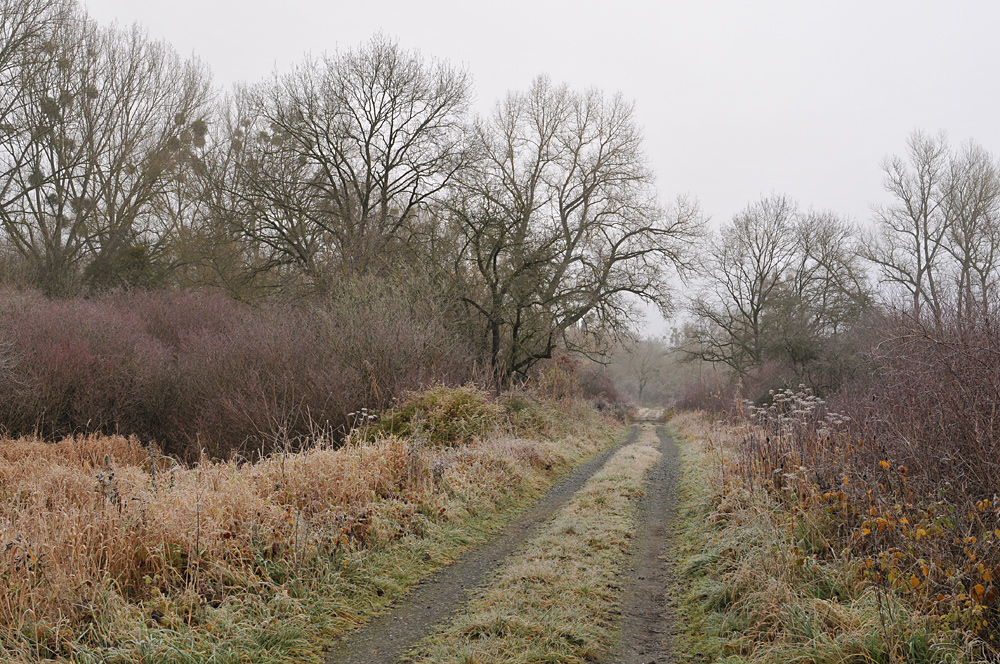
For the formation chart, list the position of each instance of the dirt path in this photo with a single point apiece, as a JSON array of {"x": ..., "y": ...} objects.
[
  {"x": 646, "y": 616},
  {"x": 387, "y": 637}
]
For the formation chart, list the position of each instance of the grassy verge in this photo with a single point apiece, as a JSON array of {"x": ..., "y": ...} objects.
[
  {"x": 764, "y": 582},
  {"x": 555, "y": 601},
  {"x": 109, "y": 556}
]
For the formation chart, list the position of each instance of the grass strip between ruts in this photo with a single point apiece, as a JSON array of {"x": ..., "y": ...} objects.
[{"x": 556, "y": 600}]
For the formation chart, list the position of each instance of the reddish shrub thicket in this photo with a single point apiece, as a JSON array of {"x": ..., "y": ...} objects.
[
  {"x": 199, "y": 372},
  {"x": 930, "y": 400}
]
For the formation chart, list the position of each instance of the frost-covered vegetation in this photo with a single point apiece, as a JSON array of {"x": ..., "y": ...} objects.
[{"x": 112, "y": 552}]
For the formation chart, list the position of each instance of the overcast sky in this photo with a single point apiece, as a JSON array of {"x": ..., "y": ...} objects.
[{"x": 737, "y": 98}]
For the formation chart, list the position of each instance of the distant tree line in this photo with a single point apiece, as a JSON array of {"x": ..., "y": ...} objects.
[
  {"x": 538, "y": 226},
  {"x": 799, "y": 292}
]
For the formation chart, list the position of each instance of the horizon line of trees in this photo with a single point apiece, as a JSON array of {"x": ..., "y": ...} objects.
[
  {"x": 537, "y": 225},
  {"x": 794, "y": 290}
]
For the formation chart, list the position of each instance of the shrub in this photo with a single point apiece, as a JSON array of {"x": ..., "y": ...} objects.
[
  {"x": 528, "y": 414},
  {"x": 714, "y": 393},
  {"x": 195, "y": 372},
  {"x": 443, "y": 416},
  {"x": 567, "y": 377}
]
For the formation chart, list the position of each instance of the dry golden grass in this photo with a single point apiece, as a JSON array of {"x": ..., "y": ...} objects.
[
  {"x": 98, "y": 550},
  {"x": 72, "y": 527}
]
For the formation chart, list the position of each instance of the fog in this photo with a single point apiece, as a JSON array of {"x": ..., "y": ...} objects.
[{"x": 737, "y": 99}]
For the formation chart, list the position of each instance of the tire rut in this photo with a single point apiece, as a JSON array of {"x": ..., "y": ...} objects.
[
  {"x": 647, "y": 618},
  {"x": 387, "y": 637}
]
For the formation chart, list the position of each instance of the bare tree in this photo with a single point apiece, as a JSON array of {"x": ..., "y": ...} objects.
[
  {"x": 45, "y": 149},
  {"x": 208, "y": 217},
  {"x": 939, "y": 243},
  {"x": 335, "y": 158},
  {"x": 27, "y": 29},
  {"x": 559, "y": 226},
  {"x": 973, "y": 213},
  {"x": 909, "y": 242},
  {"x": 777, "y": 284},
  {"x": 159, "y": 125},
  {"x": 744, "y": 268},
  {"x": 644, "y": 361},
  {"x": 824, "y": 293},
  {"x": 109, "y": 117}
]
